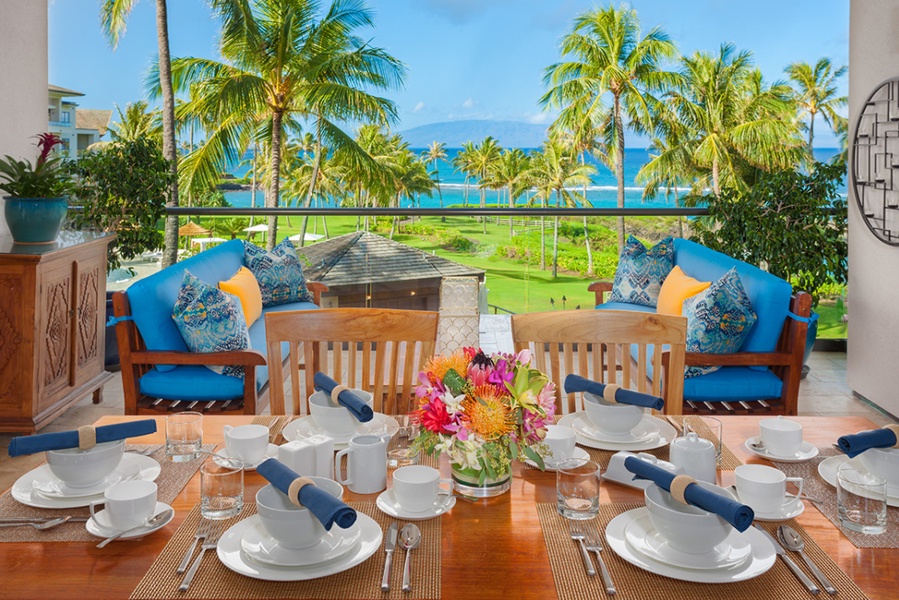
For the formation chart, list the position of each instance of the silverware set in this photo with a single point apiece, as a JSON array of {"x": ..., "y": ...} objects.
[
  {"x": 589, "y": 540},
  {"x": 790, "y": 539},
  {"x": 408, "y": 539},
  {"x": 210, "y": 540},
  {"x": 40, "y": 523}
]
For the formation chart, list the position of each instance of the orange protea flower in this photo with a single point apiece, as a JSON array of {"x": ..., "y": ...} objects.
[
  {"x": 487, "y": 414},
  {"x": 438, "y": 366}
]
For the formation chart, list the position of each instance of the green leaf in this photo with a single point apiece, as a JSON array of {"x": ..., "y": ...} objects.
[{"x": 531, "y": 454}]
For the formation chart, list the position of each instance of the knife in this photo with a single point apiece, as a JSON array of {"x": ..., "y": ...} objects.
[
  {"x": 799, "y": 573},
  {"x": 388, "y": 550}
]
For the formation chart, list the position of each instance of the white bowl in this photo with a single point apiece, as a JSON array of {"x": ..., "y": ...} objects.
[
  {"x": 332, "y": 417},
  {"x": 884, "y": 462},
  {"x": 290, "y": 525},
  {"x": 685, "y": 527},
  {"x": 85, "y": 468},
  {"x": 614, "y": 419}
]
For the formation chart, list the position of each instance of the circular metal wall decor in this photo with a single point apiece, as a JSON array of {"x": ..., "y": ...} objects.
[{"x": 875, "y": 162}]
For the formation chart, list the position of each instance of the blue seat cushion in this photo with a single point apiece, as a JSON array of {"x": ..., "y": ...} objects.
[
  {"x": 626, "y": 306},
  {"x": 190, "y": 382},
  {"x": 730, "y": 384}
]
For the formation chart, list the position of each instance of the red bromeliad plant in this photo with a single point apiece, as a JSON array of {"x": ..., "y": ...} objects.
[{"x": 49, "y": 177}]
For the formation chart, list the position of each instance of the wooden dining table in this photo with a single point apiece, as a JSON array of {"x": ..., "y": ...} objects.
[{"x": 490, "y": 549}]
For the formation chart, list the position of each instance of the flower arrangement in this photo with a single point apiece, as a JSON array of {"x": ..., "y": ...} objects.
[
  {"x": 49, "y": 177},
  {"x": 484, "y": 411}
]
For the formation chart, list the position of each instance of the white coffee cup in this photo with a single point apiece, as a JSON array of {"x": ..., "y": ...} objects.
[
  {"x": 247, "y": 443},
  {"x": 764, "y": 488},
  {"x": 560, "y": 441},
  {"x": 781, "y": 437},
  {"x": 416, "y": 487},
  {"x": 128, "y": 504},
  {"x": 366, "y": 464}
]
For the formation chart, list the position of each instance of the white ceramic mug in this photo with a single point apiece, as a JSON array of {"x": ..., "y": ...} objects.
[
  {"x": 696, "y": 456},
  {"x": 560, "y": 441},
  {"x": 366, "y": 464},
  {"x": 781, "y": 437},
  {"x": 128, "y": 504},
  {"x": 246, "y": 443},
  {"x": 764, "y": 488},
  {"x": 416, "y": 487}
]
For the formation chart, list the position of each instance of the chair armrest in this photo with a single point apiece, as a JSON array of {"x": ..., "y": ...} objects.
[
  {"x": 247, "y": 358},
  {"x": 745, "y": 359},
  {"x": 316, "y": 288},
  {"x": 599, "y": 288}
]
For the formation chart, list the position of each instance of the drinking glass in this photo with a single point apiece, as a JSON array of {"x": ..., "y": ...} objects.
[
  {"x": 709, "y": 428},
  {"x": 577, "y": 489},
  {"x": 861, "y": 500},
  {"x": 221, "y": 488},
  {"x": 183, "y": 436},
  {"x": 400, "y": 452}
]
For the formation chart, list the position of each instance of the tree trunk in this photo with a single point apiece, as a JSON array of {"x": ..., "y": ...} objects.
[
  {"x": 253, "y": 184},
  {"x": 315, "y": 167},
  {"x": 715, "y": 186},
  {"x": 543, "y": 242},
  {"x": 169, "y": 150},
  {"x": 589, "y": 249},
  {"x": 811, "y": 136},
  {"x": 274, "y": 187},
  {"x": 555, "y": 269},
  {"x": 511, "y": 218},
  {"x": 619, "y": 170},
  {"x": 483, "y": 206}
]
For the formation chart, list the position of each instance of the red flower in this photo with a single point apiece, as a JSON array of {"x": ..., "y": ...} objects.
[
  {"x": 434, "y": 416},
  {"x": 46, "y": 142}
]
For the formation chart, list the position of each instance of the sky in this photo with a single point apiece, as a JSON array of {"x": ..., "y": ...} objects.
[{"x": 465, "y": 59}]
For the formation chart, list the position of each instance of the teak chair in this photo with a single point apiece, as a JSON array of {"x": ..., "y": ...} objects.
[
  {"x": 379, "y": 350},
  {"x": 609, "y": 346}
]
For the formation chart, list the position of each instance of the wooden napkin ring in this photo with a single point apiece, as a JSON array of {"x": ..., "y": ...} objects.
[
  {"x": 87, "y": 437},
  {"x": 338, "y": 389},
  {"x": 609, "y": 393},
  {"x": 895, "y": 430},
  {"x": 679, "y": 486},
  {"x": 293, "y": 492}
]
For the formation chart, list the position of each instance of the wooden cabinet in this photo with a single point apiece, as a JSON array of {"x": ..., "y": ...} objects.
[{"x": 52, "y": 327}]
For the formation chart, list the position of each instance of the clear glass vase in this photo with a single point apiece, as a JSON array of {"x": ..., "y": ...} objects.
[{"x": 467, "y": 482}]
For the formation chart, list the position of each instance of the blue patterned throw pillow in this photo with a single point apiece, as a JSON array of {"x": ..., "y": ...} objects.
[
  {"x": 279, "y": 273},
  {"x": 718, "y": 320},
  {"x": 210, "y": 320},
  {"x": 641, "y": 272}
]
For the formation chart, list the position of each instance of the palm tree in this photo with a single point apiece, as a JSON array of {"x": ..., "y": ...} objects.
[
  {"x": 482, "y": 160},
  {"x": 136, "y": 123},
  {"x": 609, "y": 57},
  {"x": 463, "y": 162},
  {"x": 285, "y": 62},
  {"x": 113, "y": 14},
  {"x": 507, "y": 173},
  {"x": 436, "y": 152},
  {"x": 817, "y": 94}
]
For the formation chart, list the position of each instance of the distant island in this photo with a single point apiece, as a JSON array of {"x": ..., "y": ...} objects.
[{"x": 509, "y": 134}]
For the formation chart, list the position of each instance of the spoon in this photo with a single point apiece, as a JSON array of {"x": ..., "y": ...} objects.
[
  {"x": 790, "y": 538},
  {"x": 410, "y": 538},
  {"x": 39, "y": 526},
  {"x": 156, "y": 520}
]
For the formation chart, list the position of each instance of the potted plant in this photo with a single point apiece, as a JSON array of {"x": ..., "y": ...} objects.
[{"x": 38, "y": 194}]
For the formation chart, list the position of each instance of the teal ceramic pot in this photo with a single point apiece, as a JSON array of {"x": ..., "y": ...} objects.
[{"x": 35, "y": 220}]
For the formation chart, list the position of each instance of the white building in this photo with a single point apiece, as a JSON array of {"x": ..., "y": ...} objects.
[{"x": 78, "y": 127}]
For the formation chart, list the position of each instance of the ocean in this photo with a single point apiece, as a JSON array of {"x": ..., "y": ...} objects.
[{"x": 601, "y": 194}]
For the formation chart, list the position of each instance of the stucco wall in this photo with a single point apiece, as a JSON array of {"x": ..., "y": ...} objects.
[
  {"x": 873, "y": 356},
  {"x": 23, "y": 73}
]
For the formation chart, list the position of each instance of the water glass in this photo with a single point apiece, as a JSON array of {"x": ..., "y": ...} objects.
[
  {"x": 577, "y": 489},
  {"x": 400, "y": 452},
  {"x": 183, "y": 436},
  {"x": 709, "y": 428},
  {"x": 861, "y": 500},
  {"x": 221, "y": 488}
]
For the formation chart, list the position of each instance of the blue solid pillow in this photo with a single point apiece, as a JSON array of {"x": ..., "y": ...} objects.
[
  {"x": 640, "y": 272},
  {"x": 279, "y": 273},
  {"x": 210, "y": 320}
]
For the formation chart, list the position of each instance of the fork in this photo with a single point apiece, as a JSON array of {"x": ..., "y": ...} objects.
[
  {"x": 202, "y": 532},
  {"x": 211, "y": 541},
  {"x": 577, "y": 534},
  {"x": 594, "y": 544},
  {"x": 39, "y": 526}
]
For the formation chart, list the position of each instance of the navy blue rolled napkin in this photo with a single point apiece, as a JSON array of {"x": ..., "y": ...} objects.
[
  {"x": 576, "y": 383},
  {"x": 738, "y": 515},
  {"x": 324, "y": 506},
  {"x": 359, "y": 409},
  {"x": 856, "y": 443},
  {"x": 61, "y": 440}
]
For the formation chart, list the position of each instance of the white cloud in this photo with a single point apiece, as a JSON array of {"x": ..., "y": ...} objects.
[
  {"x": 418, "y": 107},
  {"x": 539, "y": 118},
  {"x": 469, "y": 103}
]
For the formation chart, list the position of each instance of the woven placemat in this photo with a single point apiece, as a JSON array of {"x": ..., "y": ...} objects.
[
  {"x": 814, "y": 486},
  {"x": 172, "y": 479},
  {"x": 637, "y": 584},
  {"x": 363, "y": 581}
]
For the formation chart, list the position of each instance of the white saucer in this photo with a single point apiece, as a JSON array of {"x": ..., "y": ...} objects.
[
  {"x": 578, "y": 454},
  {"x": 806, "y": 451},
  {"x": 100, "y": 526},
  {"x": 388, "y": 504},
  {"x": 788, "y": 511},
  {"x": 761, "y": 559},
  {"x": 827, "y": 469},
  {"x": 261, "y": 547},
  {"x": 270, "y": 452},
  {"x": 665, "y": 434},
  {"x": 643, "y": 432},
  {"x": 305, "y": 427},
  {"x": 645, "y": 539},
  {"x": 231, "y": 555},
  {"x": 126, "y": 471},
  {"x": 23, "y": 491}
]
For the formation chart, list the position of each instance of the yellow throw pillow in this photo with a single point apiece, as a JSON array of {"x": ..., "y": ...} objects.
[
  {"x": 244, "y": 285},
  {"x": 677, "y": 287}
]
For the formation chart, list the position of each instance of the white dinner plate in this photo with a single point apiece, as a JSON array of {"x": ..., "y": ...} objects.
[
  {"x": 261, "y": 547},
  {"x": 666, "y": 433},
  {"x": 806, "y": 451},
  {"x": 270, "y": 452},
  {"x": 388, "y": 504},
  {"x": 578, "y": 454},
  {"x": 761, "y": 559},
  {"x": 231, "y": 555},
  {"x": 56, "y": 488},
  {"x": 23, "y": 490},
  {"x": 305, "y": 427},
  {"x": 827, "y": 469},
  {"x": 641, "y": 433},
  {"x": 100, "y": 526}
]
